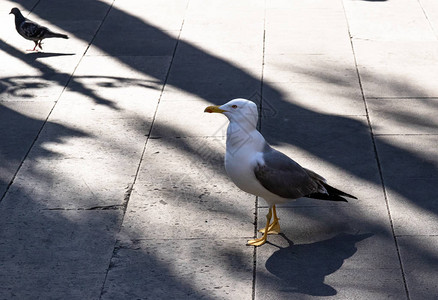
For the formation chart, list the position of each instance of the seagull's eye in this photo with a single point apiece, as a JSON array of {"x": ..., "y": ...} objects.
[{"x": 234, "y": 106}]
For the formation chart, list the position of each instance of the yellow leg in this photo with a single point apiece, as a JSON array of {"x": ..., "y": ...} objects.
[
  {"x": 274, "y": 227},
  {"x": 262, "y": 240}
]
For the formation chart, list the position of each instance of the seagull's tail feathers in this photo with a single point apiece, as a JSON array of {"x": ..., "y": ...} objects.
[
  {"x": 51, "y": 34},
  {"x": 333, "y": 194}
]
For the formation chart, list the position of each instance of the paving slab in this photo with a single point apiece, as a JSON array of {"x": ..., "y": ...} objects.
[
  {"x": 8, "y": 4},
  {"x": 66, "y": 10},
  {"x": 96, "y": 150},
  {"x": 397, "y": 116},
  {"x": 222, "y": 9},
  {"x": 303, "y": 30},
  {"x": 205, "y": 155},
  {"x": 171, "y": 93},
  {"x": 329, "y": 252},
  {"x": 211, "y": 30},
  {"x": 411, "y": 156},
  {"x": 99, "y": 164},
  {"x": 19, "y": 127},
  {"x": 308, "y": 68},
  {"x": 166, "y": 17},
  {"x": 143, "y": 71},
  {"x": 182, "y": 119},
  {"x": 430, "y": 8},
  {"x": 156, "y": 42},
  {"x": 311, "y": 98},
  {"x": 212, "y": 79},
  {"x": 388, "y": 20},
  {"x": 58, "y": 183},
  {"x": 180, "y": 193},
  {"x": 187, "y": 269},
  {"x": 413, "y": 204},
  {"x": 198, "y": 55},
  {"x": 419, "y": 256},
  {"x": 110, "y": 102},
  {"x": 53, "y": 254},
  {"x": 322, "y": 5},
  {"x": 397, "y": 68},
  {"x": 240, "y": 53},
  {"x": 311, "y": 14},
  {"x": 336, "y": 43},
  {"x": 116, "y": 37},
  {"x": 127, "y": 87},
  {"x": 409, "y": 169}
]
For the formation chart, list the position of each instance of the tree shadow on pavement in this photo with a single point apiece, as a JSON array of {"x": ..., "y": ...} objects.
[
  {"x": 216, "y": 81},
  {"x": 18, "y": 134},
  {"x": 49, "y": 75}
]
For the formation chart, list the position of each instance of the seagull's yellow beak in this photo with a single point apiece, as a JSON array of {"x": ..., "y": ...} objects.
[{"x": 214, "y": 109}]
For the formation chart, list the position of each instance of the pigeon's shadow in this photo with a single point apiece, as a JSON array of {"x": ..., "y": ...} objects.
[
  {"x": 36, "y": 55},
  {"x": 302, "y": 268}
]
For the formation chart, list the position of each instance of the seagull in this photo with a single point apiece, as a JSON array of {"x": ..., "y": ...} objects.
[
  {"x": 257, "y": 168},
  {"x": 33, "y": 31}
]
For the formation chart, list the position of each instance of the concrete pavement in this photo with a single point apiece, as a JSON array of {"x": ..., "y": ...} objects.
[{"x": 112, "y": 183}]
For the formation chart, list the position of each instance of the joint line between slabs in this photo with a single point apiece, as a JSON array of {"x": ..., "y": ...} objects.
[
  {"x": 148, "y": 136},
  {"x": 130, "y": 187},
  {"x": 256, "y": 208},
  {"x": 379, "y": 167}
]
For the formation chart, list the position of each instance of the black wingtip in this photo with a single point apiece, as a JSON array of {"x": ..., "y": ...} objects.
[
  {"x": 328, "y": 197},
  {"x": 333, "y": 194},
  {"x": 332, "y": 190}
]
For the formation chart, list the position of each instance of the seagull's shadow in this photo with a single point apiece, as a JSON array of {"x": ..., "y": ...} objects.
[{"x": 302, "y": 268}]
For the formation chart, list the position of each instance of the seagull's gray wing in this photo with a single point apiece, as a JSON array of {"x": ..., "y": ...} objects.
[{"x": 284, "y": 177}]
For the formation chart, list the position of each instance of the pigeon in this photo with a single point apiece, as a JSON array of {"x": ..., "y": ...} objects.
[
  {"x": 33, "y": 31},
  {"x": 257, "y": 168}
]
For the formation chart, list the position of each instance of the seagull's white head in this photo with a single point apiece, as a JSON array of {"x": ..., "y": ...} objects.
[{"x": 241, "y": 111}]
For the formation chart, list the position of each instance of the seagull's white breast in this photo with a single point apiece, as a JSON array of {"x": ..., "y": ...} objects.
[{"x": 244, "y": 152}]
